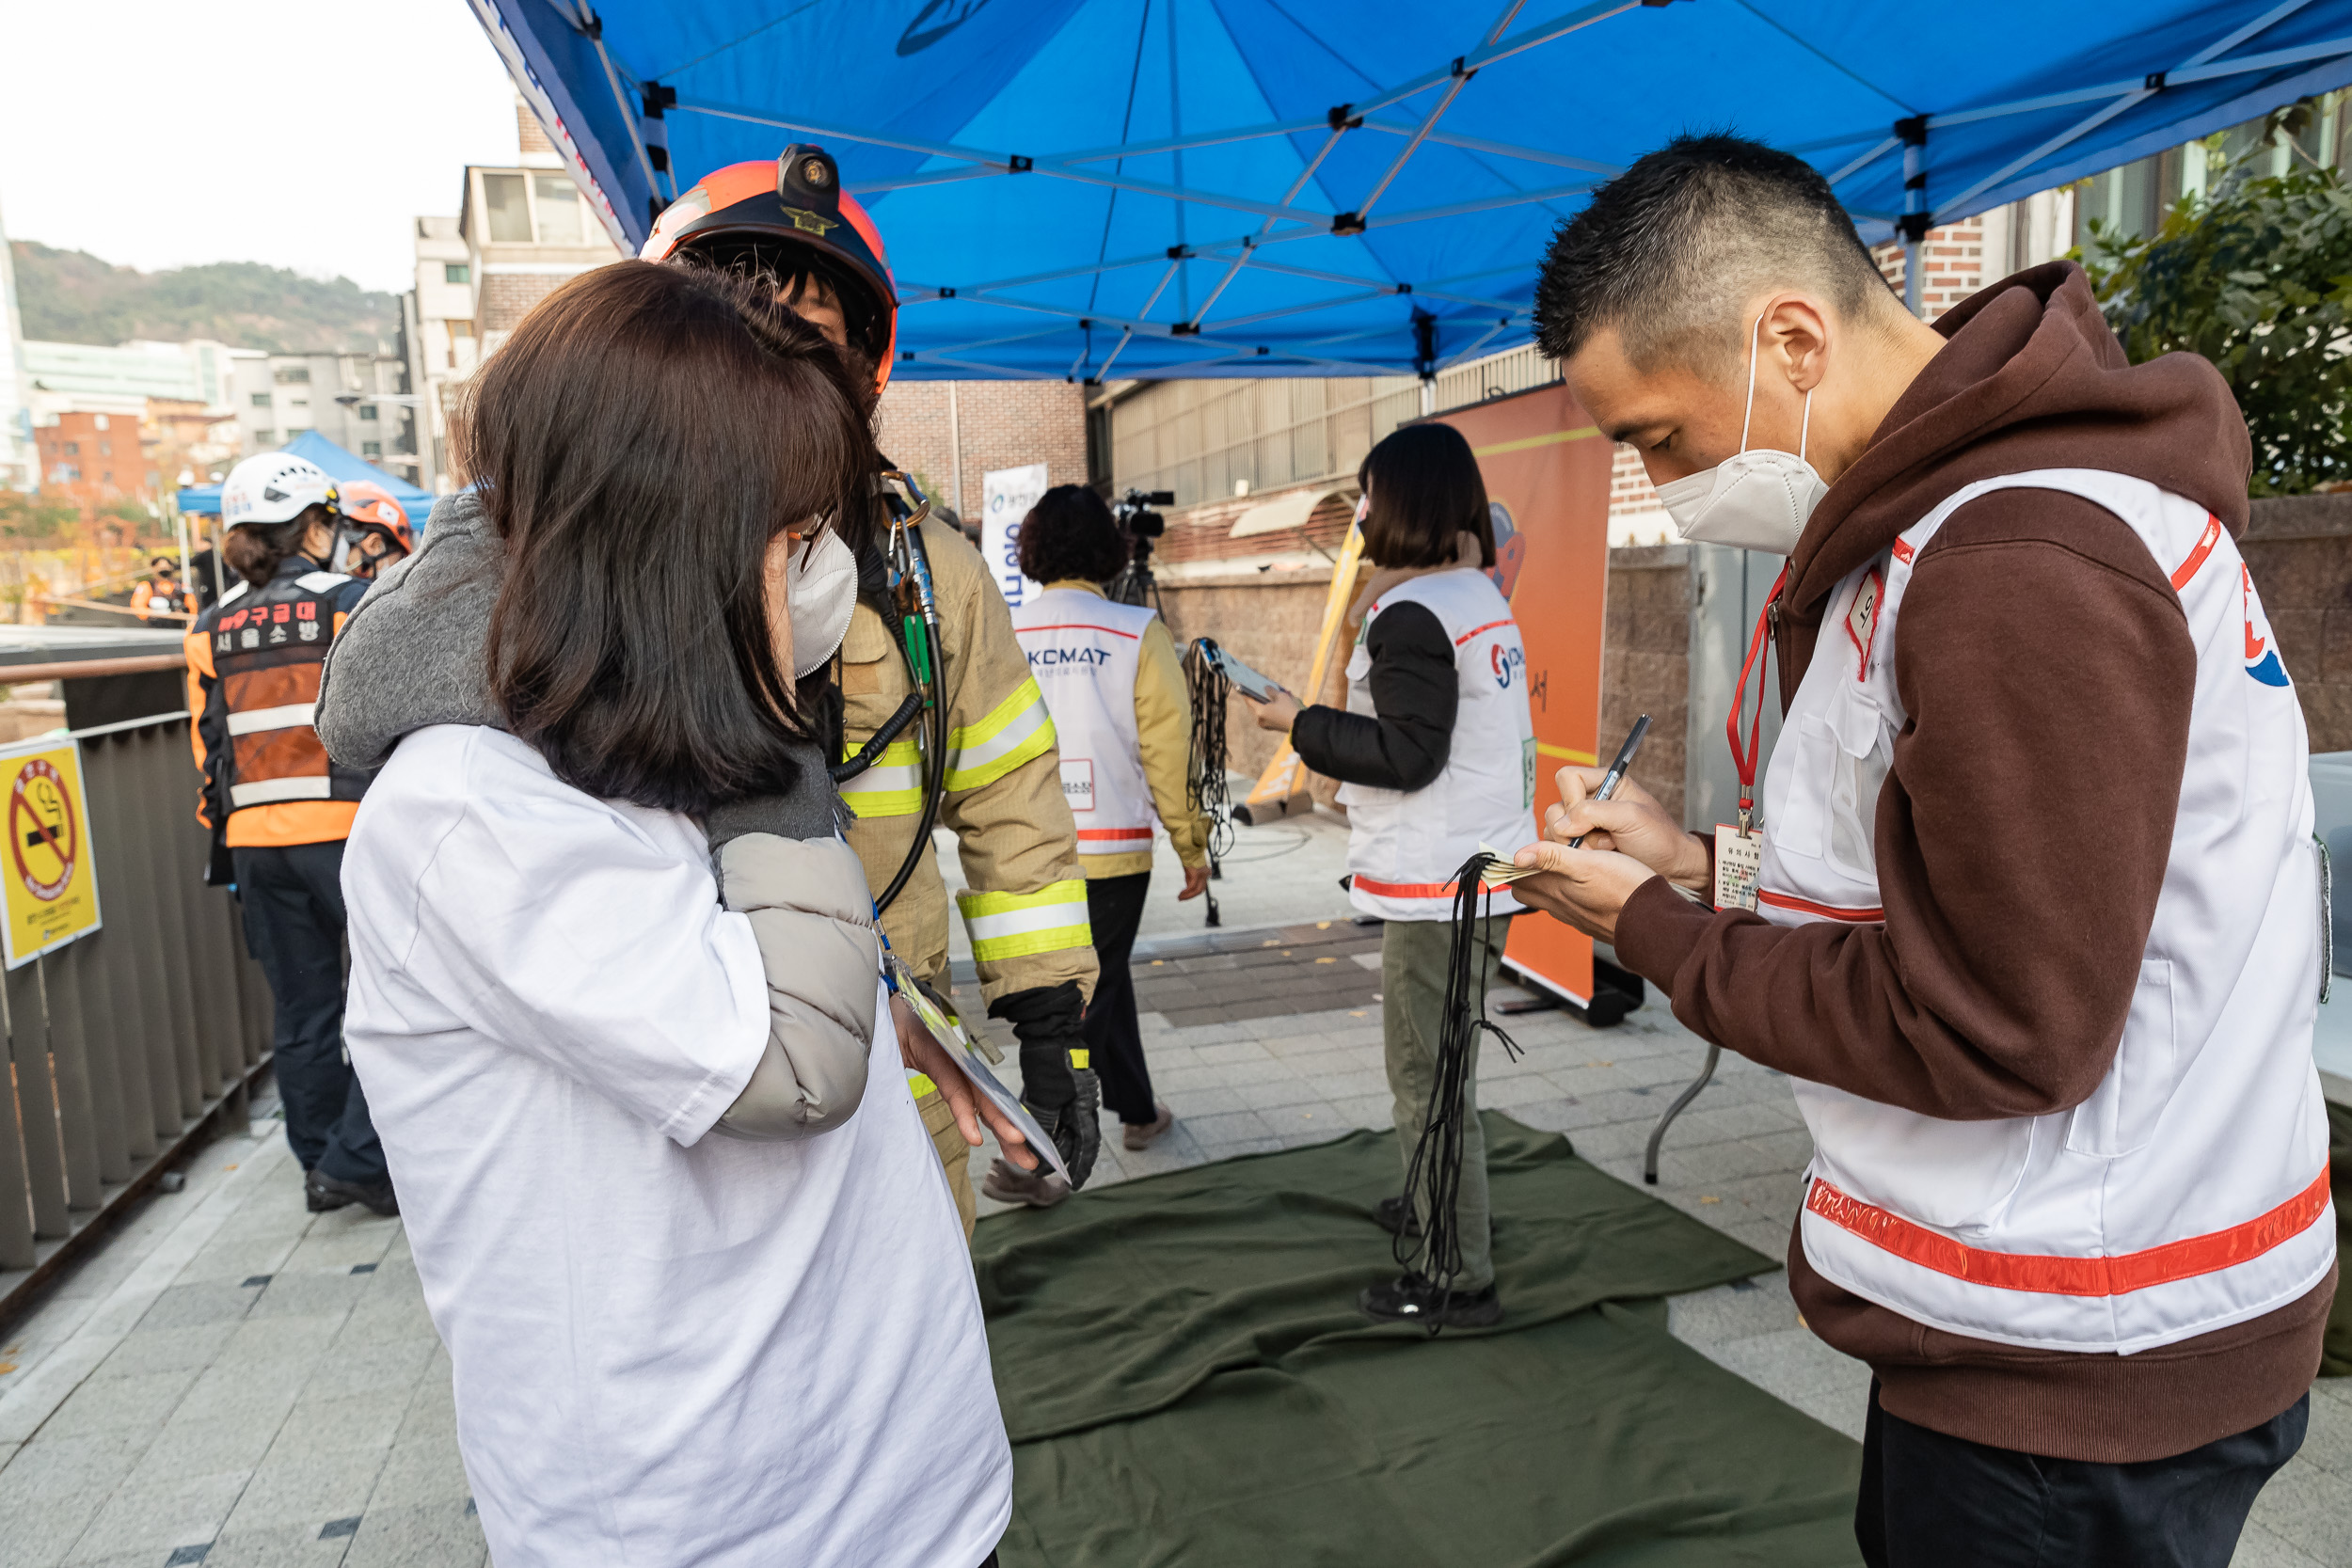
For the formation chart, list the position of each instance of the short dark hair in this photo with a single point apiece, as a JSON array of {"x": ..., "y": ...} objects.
[
  {"x": 640, "y": 442},
  {"x": 1070, "y": 533},
  {"x": 255, "y": 549},
  {"x": 793, "y": 270},
  {"x": 1669, "y": 251},
  {"x": 1426, "y": 490}
]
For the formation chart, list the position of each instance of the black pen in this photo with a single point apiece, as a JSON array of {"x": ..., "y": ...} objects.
[{"x": 1617, "y": 769}]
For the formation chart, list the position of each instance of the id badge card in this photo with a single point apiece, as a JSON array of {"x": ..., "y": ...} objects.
[{"x": 1738, "y": 860}]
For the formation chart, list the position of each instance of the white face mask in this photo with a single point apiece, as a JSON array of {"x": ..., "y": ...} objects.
[
  {"x": 1758, "y": 500},
  {"x": 821, "y": 588}
]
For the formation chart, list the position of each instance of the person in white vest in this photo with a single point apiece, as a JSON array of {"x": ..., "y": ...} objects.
[
  {"x": 1115, "y": 686},
  {"x": 1435, "y": 753},
  {"x": 2034, "y": 920}
]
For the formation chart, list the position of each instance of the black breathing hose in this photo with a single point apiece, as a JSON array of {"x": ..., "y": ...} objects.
[
  {"x": 926, "y": 673},
  {"x": 1206, "y": 786},
  {"x": 871, "y": 751},
  {"x": 1435, "y": 1177}
]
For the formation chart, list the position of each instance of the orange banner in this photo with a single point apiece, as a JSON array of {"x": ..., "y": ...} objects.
[{"x": 1547, "y": 471}]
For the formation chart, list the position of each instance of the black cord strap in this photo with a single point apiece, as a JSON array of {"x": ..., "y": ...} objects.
[
  {"x": 1206, "y": 786},
  {"x": 1433, "y": 1183}
]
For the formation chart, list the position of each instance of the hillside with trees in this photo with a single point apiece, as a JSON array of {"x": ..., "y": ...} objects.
[{"x": 70, "y": 296}]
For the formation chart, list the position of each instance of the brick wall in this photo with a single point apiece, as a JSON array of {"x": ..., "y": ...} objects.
[
  {"x": 508, "y": 297},
  {"x": 1645, "y": 663},
  {"x": 1000, "y": 424},
  {"x": 1952, "y": 265},
  {"x": 2299, "y": 550}
]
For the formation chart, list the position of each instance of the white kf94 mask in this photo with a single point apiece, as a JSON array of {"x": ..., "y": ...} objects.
[
  {"x": 1758, "y": 500},
  {"x": 820, "y": 588}
]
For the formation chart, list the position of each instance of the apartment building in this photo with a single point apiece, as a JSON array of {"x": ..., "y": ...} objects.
[
  {"x": 360, "y": 402},
  {"x": 521, "y": 229}
]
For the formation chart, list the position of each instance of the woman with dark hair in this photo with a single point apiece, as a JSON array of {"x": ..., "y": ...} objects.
[
  {"x": 1122, "y": 719},
  {"x": 615, "y": 986},
  {"x": 1437, "y": 751}
]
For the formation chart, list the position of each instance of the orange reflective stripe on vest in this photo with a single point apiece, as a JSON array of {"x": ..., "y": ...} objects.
[{"x": 2072, "y": 1277}]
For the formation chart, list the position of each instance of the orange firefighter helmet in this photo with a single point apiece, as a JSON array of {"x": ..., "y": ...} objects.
[{"x": 791, "y": 217}]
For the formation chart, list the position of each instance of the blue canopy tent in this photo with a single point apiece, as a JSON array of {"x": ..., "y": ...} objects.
[
  {"x": 204, "y": 499},
  {"x": 1078, "y": 188}
]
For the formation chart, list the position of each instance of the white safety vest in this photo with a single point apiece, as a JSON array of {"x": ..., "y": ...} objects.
[
  {"x": 2191, "y": 1191},
  {"x": 1082, "y": 653},
  {"x": 1405, "y": 845}
]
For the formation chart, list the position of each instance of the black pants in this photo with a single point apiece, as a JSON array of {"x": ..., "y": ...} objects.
[
  {"x": 1115, "y": 908},
  {"x": 1932, "y": 1501},
  {"x": 292, "y": 897}
]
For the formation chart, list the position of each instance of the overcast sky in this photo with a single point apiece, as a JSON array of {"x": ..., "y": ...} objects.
[{"x": 305, "y": 133}]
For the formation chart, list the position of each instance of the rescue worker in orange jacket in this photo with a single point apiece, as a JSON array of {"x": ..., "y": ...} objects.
[
  {"x": 161, "y": 592},
  {"x": 280, "y": 807},
  {"x": 375, "y": 531}
]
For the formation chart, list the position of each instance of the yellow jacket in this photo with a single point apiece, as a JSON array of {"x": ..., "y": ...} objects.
[
  {"x": 1163, "y": 737},
  {"x": 1026, "y": 906}
]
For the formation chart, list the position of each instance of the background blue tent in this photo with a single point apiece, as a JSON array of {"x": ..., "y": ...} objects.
[
  {"x": 204, "y": 499},
  {"x": 1306, "y": 187}
]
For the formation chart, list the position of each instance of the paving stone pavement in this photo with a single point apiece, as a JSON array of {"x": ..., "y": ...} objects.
[{"x": 236, "y": 1382}]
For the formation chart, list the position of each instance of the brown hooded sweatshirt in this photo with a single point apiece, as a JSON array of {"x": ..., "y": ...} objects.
[{"x": 2022, "y": 836}]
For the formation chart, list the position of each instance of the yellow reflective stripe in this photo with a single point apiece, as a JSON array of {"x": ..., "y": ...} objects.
[
  {"x": 997, "y": 949},
  {"x": 1079, "y": 1059},
  {"x": 1014, "y": 731},
  {"x": 921, "y": 1085},
  {"x": 892, "y": 787},
  {"x": 1015, "y": 925}
]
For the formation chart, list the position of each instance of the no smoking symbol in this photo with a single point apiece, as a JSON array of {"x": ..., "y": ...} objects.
[{"x": 42, "y": 834}]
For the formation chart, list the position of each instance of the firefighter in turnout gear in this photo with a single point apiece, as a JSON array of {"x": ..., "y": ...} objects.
[
  {"x": 977, "y": 755},
  {"x": 280, "y": 809}
]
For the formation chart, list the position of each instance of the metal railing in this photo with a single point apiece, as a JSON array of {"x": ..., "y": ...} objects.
[{"x": 129, "y": 1045}]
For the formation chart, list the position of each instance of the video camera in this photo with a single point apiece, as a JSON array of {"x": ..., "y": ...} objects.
[
  {"x": 1135, "y": 514},
  {"x": 1134, "y": 584}
]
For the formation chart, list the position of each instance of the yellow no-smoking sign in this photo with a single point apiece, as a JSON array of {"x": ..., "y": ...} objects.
[{"x": 52, "y": 887}]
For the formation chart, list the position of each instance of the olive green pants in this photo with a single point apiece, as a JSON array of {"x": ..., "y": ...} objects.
[{"x": 1412, "y": 1017}]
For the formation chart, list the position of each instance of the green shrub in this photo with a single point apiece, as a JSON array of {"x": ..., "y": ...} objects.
[{"x": 2256, "y": 276}]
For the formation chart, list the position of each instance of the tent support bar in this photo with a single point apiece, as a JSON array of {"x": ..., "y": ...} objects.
[
  {"x": 1462, "y": 75},
  {"x": 2141, "y": 92},
  {"x": 1500, "y": 149},
  {"x": 1472, "y": 352},
  {"x": 628, "y": 114},
  {"x": 1518, "y": 43},
  {"x": 1881, "y": 150}
]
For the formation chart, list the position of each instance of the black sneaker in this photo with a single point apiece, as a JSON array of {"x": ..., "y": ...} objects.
[
  {"x": 321, "y": 1194},
  {"x": 1396, "y": 1216},
  {"x": 1410, "y": 1299}
]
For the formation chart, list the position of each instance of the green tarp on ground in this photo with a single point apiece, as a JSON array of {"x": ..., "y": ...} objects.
[{"x": 1187, "y": 1381}]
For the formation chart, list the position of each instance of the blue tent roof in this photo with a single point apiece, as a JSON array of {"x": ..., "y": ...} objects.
[
  {"x": 204, "y": 499},
  {"x": 1312, "y": 187}
]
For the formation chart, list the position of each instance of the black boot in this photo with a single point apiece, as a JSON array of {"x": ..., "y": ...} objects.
[
  {"x": 1396, "y": 1216},
  {"x": 323, "y": 1193},
  {"x": 1410, "y": 1299}
]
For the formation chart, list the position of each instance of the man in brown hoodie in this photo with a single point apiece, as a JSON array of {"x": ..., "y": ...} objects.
[{"x": 2032, "y": 917}]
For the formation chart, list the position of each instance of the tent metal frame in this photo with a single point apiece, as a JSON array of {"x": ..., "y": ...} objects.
[{"x": 642, "y": 104}]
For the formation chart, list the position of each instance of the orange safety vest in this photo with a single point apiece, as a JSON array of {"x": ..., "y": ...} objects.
[{"x": 254, "y": 661}]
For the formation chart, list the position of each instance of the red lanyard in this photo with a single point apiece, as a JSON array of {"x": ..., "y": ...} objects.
[{"x": 1743, "y": 751}]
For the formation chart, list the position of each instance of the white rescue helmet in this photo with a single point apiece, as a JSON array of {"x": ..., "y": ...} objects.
[{"x": 274, "y": 487}]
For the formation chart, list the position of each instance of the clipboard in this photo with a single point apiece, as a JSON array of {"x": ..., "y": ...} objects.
[
  {"x": 1244, "y": 679},
  {"x": 948, "y": 1031}
]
